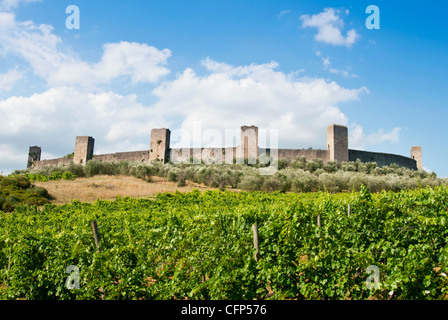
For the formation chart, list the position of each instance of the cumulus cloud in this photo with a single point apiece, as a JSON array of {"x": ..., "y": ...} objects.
[
  {"x": 141, "y": 62},
  {"x": 224, "y": 97},
  {"x": 54, "y": 118},
  {"x": 329, "y": 27},
  {"x": 230, "y": 96},
  {"x": 12, "y": 157},
  {"x": 41, "y": 48},
  {"x": 8, "y": 79},
  {"x": 359, "y": 140}
]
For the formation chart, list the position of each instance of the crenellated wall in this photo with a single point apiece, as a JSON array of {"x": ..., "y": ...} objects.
[
  {"x": 337, "y": 143},
  {"x": 208, "y": 155},
  {"x": 132, "y": 156},
  {"x": 309, "y": 154},
  {"x": 60, "y": 162}
]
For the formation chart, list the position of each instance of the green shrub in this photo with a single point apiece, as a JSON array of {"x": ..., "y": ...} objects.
[
  {"x": 314, "y": 165},
  {"x": 331, "y": 166},
  {"x": 173, "y": 173},
  {"x": 329, "y": 182},
  {"x": 251, "y": 182},
  {"x": 297, "y": 176},
  {"x": 181, "y": 182},
  {"x": 348, "y": 166},
  {"x": 22, "y": 182},
  {"x": 17, "y": 189},
  {"x": 357, "y": 181},
  {"x": 303, "y": 182},
  {"x": 123, "y": 168},
  {"x": 68, "y": 175},
  {"x": 76, "y": 169},
  {"x": 38, "y": 191},
  {"x": 8, "y": 182},
  {"x": 56, "y": 175},
  {"x": 94, "y": 168},
  {"x": 12, "y": 199},
  {"x": 235, "y": 178},
  {"x": 140, "y": 172},
  {"x": 275, "y": 183},
  {"x": 283, "y": 163},
  {"x": 299, "y": 163}
]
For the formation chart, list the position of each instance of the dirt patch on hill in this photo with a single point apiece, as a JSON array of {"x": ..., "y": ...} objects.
[{"x": 110, "y": 187}]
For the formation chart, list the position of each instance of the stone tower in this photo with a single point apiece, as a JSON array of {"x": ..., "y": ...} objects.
[
  {"x": 33, "y": 155},
  {"x": 416, "y": 154},
  {"x": 248, "y": 148},
  {"x": 160, "y": 145},
  {"x": 83, "y": 150},
  {"x": 337, "y": 141}
]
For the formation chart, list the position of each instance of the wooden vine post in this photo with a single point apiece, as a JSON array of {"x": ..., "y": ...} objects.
[
  {"x": 96, "y": 235},
  {"x": 255, "y": 231},
  {"x": 349, "y": 209},
  {"x": 318, "y": 225},
  {"x": 9, "y": 263}
]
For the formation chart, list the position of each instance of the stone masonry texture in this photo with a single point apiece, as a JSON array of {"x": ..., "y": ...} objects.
[
  {"x": 34, "y": 154},
  {"x": 337, "y": 150},
  {"x": 159, "y": 145},
  {"x": 83, "y": 149}
]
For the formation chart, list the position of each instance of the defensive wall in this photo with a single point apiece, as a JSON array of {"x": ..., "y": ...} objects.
[{"x": 248, "y": 149}]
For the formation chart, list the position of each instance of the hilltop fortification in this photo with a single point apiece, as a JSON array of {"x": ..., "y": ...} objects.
[{"x": 248, "y": 150}]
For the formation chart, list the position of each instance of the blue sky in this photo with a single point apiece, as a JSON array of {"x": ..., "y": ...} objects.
[{"x": 294, "y": 66}]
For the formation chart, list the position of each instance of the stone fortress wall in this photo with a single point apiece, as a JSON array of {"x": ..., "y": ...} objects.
[{"x": 337, "y": 150}]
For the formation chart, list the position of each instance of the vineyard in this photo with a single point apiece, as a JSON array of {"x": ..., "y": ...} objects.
[{"x": 201, "y": 246}]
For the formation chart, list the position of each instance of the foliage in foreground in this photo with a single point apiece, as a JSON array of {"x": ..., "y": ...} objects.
[
  {"x": 200, "y": 246},
  {"x": 16, "y": 190}
]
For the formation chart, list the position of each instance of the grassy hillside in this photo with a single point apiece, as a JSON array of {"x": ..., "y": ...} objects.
[
  {"x": 110, "y": 187},
  {"x": 291, "y": 176}
]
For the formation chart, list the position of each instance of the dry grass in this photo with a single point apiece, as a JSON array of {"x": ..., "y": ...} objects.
[{"x": 109, "y": 187}]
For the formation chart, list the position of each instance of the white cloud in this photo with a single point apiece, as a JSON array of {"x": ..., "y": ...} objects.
[
  {"x": 283, "y": 13},
  {"x": 8, "y": 79},
  {"x": 10, "y": 154},
  {"x": 12, "y": 4},
  {"x": 359, "y": 140},
  {"x": 325, "y": 60},
  {"x": 41, "y": 48},
  {"x": 141, "y": 62},
  {"x": 54, "y": 118},
  {"x": 329, "y": 28},
  {"x": 36, "y": 44},
  {"x": 228, "y": 97},
  {"x": 345, "y": 73},
  {"x": 326, "y": 63},
  {"x": 65, "y": 112}
]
